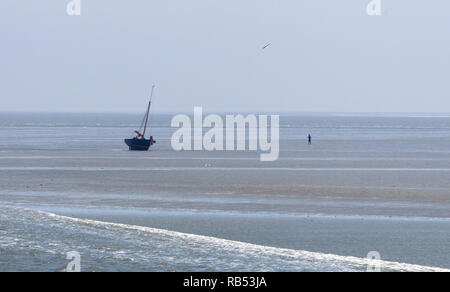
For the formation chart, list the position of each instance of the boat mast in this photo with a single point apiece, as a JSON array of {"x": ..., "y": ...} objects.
[{"x": 148, "y": 111}]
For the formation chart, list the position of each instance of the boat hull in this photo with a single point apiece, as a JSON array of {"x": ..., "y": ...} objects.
[{"x": 138, "y": 144}]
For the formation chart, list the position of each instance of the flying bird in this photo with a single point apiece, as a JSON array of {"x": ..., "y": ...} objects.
[{"x": 266, "y": 46}]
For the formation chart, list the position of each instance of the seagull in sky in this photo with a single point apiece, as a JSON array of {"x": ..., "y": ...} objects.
[{"x": 266, "y": 46}]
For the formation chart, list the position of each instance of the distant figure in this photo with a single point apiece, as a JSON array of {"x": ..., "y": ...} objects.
[
  {"x": 309, "y": 139},
  {"x": 153, "y": 141}
]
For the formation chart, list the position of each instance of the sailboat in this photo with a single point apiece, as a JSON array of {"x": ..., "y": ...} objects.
[{"x": 139, "y": 143}]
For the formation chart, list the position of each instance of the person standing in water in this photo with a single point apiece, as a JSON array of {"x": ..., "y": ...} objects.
[{"x": 309, "y": 139}]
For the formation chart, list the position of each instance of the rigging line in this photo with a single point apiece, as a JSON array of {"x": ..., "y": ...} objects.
[
  {"x": 142, "y": 123},
  {"x": 148, "y": 111}
]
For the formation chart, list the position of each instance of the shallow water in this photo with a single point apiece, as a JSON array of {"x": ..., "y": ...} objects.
[
  {"x": 366, "y": 184},
  {"x": 40, "y": 241}
]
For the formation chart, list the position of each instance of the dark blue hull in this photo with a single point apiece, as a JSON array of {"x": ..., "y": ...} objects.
[{"x": 138, "y": 144}]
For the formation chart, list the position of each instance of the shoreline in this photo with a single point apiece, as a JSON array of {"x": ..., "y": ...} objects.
[{"x": 263, "y": 258}]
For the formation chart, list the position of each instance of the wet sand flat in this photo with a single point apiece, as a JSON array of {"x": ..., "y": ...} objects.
[{"x": 366, "y": 184}]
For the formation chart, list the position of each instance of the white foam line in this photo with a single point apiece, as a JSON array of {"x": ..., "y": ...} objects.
[
  {"x": 31, "y": 168},
  {"x": 293, "y": 254}
]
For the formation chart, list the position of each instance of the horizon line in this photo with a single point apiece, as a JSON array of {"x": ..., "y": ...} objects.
[{"x": 227, "y": 112}]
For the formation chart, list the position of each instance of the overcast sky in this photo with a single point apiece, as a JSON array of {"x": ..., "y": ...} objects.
[{"x": 326, "y": 55}]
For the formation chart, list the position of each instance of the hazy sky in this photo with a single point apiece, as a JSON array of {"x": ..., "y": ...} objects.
[{"x": 326, "y": 55}]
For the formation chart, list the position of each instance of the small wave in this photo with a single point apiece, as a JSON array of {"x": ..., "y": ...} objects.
[{"x": 258, "y": 257}]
